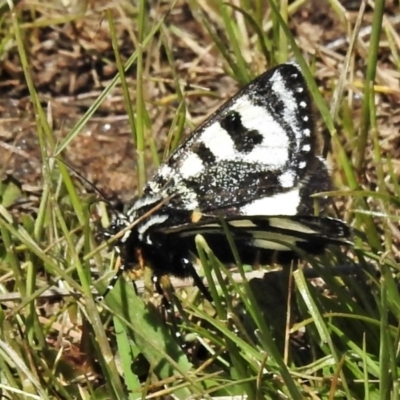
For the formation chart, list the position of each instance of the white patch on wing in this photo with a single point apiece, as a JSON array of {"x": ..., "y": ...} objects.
[
  {"x": 218, "y": 226},
  {"x": 279, "y": 204},
  {"x": 269, "y": 242},
  {"x": 287, "y": 179},
  {"x": 287, "y": 223},
  {"x": 154, "y": 186},
  {"x": 242, "y": 223},
  {"x": 188, "y": 197},
  {"x": 165, "y": 172},
  {"x": 259, "y": 119},
  {"x": 191, "y": 166},
  {"x": 219, "y": 142},
  {"x": 272, "y": 152},
  {"x": 274, "y": 148},
  {"x": 302, "y": 164},
  {"x": 291, "y": 106}
]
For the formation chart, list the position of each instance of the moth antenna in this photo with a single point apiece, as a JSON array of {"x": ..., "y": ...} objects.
[{"x": 90, "y": 185}]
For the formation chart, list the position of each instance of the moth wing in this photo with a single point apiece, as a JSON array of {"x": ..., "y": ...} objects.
[
  {"x": 270, "y": 233},
  {"x": 259, "y": 144}
]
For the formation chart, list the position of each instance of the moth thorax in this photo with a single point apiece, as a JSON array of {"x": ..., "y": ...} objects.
[{"x": 148, "y": 225}]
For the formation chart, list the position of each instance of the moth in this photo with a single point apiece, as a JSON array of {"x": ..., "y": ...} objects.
[{"x": 254, "y": 163}]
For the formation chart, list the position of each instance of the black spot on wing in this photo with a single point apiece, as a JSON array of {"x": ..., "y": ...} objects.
[
  {"x": 232, "y": 123},
  {"x": 204, "y": 153},
  {"x": 251, "y": 140},
  {"x": 245, "y": 140}
]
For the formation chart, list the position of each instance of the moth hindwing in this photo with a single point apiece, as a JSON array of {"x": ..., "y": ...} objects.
[{"x": 255, "y": 163}]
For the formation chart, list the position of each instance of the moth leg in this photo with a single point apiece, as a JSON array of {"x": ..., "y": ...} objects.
[
  {"x": 112, "y": 282},
  {"x": 163, "y": 287},
  {"x": 191, "y": 271},
  {"x": 160, "y": 284},
  {"x": 124, "y": 266}
]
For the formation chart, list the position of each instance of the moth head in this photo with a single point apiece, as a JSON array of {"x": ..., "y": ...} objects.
[
  {"x": 119, "y": 222},
  {"x": 140, "y": 217}
]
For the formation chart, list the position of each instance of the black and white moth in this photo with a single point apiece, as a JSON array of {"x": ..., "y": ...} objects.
[{"x": 254, "y": 163}]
